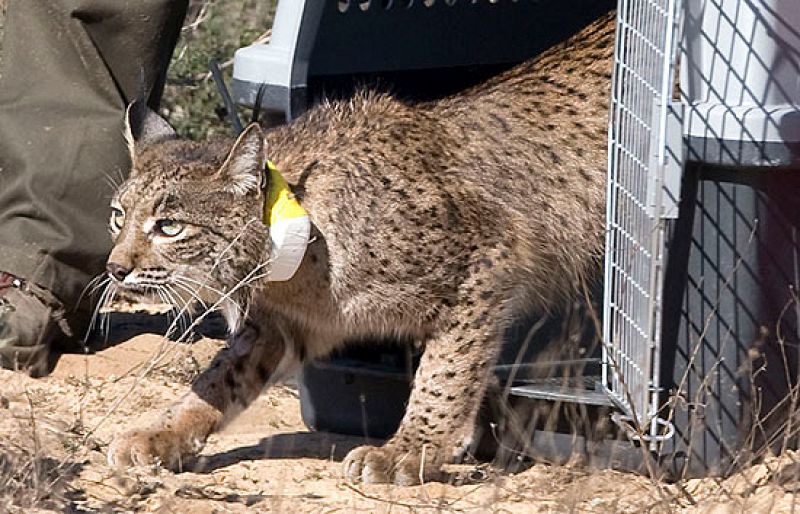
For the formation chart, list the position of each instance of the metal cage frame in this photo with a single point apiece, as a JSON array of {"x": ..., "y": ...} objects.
[{"x": 638, "y": 155}]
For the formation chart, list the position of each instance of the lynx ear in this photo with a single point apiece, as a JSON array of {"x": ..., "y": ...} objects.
[
  {"x": 241, "y": 171},
  {"x": 144, "y": 127}
]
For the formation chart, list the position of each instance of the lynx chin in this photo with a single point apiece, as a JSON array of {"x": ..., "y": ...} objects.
[{"x": 437, "y": 222}]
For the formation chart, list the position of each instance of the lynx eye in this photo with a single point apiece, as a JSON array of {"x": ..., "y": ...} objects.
[
  {"x": 117, "y": 218},
  {"x": 168, "y": 228}
]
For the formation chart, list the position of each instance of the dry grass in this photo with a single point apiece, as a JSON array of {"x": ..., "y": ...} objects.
[
  {"x": 28, "y": 481},
  {"x": 53, "y": 432},
  {"x": 213, "y": 30}
]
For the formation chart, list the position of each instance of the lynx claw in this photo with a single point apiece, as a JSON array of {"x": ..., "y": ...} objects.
[
  {"x": 372, "y": 465},
  {"x": 148, "y": 447}
]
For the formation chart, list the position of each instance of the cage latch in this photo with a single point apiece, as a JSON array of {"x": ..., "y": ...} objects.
[{"x": 629, "y": 425}]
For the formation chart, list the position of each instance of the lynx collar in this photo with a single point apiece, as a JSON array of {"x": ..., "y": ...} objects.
[{"x": 289, "y": 226}]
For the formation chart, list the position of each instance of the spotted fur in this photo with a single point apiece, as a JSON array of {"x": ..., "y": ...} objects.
[{"x": 436, "y": 222}]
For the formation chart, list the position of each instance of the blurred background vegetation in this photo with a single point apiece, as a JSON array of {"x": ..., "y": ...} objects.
[{"x": 213, "y": 29}]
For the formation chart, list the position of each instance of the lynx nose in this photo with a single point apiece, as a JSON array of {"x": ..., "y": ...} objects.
[{"x": 117, "y": 271}]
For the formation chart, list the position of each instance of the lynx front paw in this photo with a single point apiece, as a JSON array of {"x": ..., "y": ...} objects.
[
  {"x": 372, "y": 465},
  {"x": 148, "y": 447}
]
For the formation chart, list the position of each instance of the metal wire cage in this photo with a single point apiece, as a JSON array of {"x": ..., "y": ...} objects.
[
  {"x": 644, "y": 68},
  {"x": 739, "y": 108}
]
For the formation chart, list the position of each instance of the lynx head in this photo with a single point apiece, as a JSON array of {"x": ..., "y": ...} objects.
[{"x": 187, "y": 225}]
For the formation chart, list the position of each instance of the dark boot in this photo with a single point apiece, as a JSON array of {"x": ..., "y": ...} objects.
[{"x": 31, "y": 320}]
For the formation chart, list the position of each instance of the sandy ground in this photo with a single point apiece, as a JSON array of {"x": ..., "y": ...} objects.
[{"x": 54, "y": 433}]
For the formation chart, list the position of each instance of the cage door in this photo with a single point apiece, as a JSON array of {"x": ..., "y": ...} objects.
[{"x": 641, "y": 91}]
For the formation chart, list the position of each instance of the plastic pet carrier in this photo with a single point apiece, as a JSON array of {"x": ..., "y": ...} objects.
[
  {"x": 317, "y": 45},
  {"x": 699, "y": 309}
]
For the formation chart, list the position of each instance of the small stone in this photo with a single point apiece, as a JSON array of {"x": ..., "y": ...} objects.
[
  {"x": 4, "y": 402},
  {"x": 93, "y": 444}
]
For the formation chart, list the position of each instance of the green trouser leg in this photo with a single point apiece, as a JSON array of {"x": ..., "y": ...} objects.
[{"x": 69, "y": 69}]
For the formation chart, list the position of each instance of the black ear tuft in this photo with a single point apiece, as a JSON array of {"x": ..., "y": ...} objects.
[{"x": 144, "y": 127}]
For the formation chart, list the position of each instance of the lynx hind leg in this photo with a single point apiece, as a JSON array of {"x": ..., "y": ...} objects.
[
  {"x": 254, "y": 358},
  {"x": 448, "y": 389}
]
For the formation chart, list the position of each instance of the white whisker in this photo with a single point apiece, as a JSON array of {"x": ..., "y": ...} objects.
[
  {"x": 96, "y": 312},
  {"x": 93, "y": 285},
  {"x": 187, "y": 289},
  {"x": 173, "y": 300}
]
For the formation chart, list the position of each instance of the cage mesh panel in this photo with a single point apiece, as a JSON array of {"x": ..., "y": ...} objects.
[{"x": 640, "y": 88}]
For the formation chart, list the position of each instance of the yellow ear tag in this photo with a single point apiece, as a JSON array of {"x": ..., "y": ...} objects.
[{"x": 289, "y": 227}]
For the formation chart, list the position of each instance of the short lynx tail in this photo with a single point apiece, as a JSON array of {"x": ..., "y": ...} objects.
[{"x": 289, "y": 227}]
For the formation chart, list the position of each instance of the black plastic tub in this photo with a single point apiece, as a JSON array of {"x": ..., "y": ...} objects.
[{"x": 358, "y": 391}]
